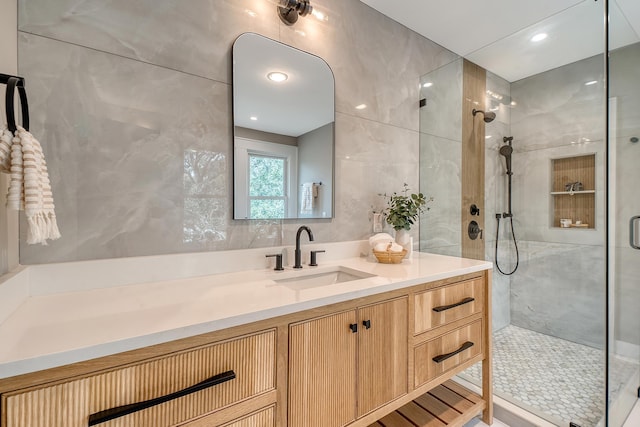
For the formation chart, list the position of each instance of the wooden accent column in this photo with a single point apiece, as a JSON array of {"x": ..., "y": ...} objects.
[{"x": 473, "y": 96}]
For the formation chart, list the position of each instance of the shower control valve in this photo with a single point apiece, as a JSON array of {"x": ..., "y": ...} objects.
[
  {"x": 474, "y": 210},
  {"x": 474, "y": 230}
]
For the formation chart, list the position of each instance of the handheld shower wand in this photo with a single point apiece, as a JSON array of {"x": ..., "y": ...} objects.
[{"x": 507, "y": 151}]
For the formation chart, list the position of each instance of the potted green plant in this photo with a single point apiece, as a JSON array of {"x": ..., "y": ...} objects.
[{"x": 402, "y": 210}]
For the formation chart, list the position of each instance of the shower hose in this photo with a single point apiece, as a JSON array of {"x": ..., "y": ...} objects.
[{"x": 515, "y": 244}]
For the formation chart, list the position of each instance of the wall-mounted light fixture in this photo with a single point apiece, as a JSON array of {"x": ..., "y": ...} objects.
[{"x": 289, "y": 10}]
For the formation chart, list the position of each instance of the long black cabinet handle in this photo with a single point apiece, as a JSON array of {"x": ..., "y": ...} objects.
[
  {"x": 120, "y": 411},
  {"x": 467, "y": 300},
  {"x": 443, "y": 357}
]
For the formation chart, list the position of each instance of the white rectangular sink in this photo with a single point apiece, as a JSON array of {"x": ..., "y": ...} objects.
[{"x": 315, "y": 277}]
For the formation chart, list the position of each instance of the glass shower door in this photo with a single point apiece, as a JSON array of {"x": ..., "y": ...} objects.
[{"x": 624, "y": 218}]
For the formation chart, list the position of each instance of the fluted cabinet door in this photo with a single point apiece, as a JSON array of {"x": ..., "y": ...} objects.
[
  {"x": 322, "y": 371},
  {"x": 382, "y": 354}
]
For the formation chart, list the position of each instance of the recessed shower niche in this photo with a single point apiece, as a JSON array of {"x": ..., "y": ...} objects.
[{"x": 573, "y": 192}]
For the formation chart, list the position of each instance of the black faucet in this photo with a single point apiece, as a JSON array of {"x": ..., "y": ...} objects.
[{"x": 298, "y": 253}]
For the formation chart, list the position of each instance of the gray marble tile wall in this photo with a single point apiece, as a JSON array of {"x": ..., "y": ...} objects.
[
  {"x": 8, "y": 65},
  {"x": 559, "y": 288},
  {"x": 132, "y": 103},
  {"x": 625, "y": 93}
]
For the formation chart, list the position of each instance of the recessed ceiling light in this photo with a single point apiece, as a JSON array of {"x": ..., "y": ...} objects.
[
  {"x": 592, "y": 82},
  {"x": 513, "y": 103},
  {"x": 361, "y": 106},
  {"x": 539, "y": 37},
  {"x": 487, "y": 137},
  {"x": 277, "y": 76},
  {"x": 428, "y": 84},
  {"x": 254, "y": 118}
]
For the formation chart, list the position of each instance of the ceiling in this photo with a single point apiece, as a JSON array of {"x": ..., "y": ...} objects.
[
  {"x": 497, "y": 34},
  {"x": 300, "y": 104}
]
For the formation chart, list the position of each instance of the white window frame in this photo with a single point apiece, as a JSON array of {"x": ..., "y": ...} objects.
[{"x": 242, "y": 148}]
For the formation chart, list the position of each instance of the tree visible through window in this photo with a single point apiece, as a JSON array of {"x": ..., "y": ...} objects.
[{"x": 267, "y": 186}]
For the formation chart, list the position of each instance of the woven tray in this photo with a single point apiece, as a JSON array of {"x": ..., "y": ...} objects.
[{"x": 386, "y": 257}]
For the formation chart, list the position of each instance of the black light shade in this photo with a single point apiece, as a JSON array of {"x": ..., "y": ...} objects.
[{"x": 289, "y": 10}]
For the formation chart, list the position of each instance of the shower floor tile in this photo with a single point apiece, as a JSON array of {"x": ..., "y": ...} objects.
[{"x": 554, "y": 378}]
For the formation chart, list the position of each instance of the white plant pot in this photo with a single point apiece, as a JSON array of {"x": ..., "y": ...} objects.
[{"x": 404, "y": 239}]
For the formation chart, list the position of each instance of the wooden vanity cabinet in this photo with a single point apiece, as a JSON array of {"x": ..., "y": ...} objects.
[
  {"x": 155, "y": 392},
  {"x": 345, "y": 365},
  {"x": 382, "y": 357},
  {"x": 451, "y": 331}
]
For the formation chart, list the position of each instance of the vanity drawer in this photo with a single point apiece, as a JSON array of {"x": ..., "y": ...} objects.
[
  {"x": 444, "y": 305},
  {"x": 263, "y": 418},
  {"x": 235, "y": 370},
  {"x": 446, "y": 352}
]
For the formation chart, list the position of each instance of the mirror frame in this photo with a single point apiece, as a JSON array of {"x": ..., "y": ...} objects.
[{"x": 240, "y": 207}]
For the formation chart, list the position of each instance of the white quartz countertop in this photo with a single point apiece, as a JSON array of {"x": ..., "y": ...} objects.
[{"x": 54, "y": 330}]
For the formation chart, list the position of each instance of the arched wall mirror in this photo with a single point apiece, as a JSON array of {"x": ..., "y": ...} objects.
[{"x": 283, "y": 125}]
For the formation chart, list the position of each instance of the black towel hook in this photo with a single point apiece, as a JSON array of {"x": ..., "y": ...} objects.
[{"x": 12, "y": 82}]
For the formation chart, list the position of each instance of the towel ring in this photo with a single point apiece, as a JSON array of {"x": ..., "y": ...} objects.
[{"x": 12, "y": 82}]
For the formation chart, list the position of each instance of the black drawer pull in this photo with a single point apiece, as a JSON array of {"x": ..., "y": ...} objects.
[
  {"x": 353, "y": 327},
  {"x": 444, "y": 357},
  {"x": 467, "y": 300},
  {"x": 366, "y": 324},
  {"x": 120, "y": 411}
]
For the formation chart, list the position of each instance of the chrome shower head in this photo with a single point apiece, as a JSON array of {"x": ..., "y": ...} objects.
[{"x": 489, "y": 116}]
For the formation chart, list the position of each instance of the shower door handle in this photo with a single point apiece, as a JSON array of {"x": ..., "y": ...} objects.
[{"x": 632, "y": 232}]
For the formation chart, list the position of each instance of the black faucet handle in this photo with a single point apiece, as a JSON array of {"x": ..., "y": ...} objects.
[
  {"x": 313, "y": 261},
  {"x": 278, "y": 261}
]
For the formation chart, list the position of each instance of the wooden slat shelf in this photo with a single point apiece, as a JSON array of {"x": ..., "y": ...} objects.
[
  {"x": 447, "y": 405},
  {"x": 571, "y": 193}
]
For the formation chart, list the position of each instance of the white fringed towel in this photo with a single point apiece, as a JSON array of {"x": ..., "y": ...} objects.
[
  {"x": 29, "y": 187},
  {"x": 6, "y": 138}
]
